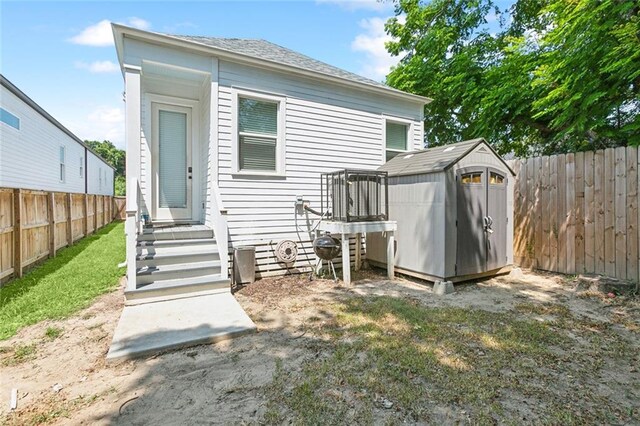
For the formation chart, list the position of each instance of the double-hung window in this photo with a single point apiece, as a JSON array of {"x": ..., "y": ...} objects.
[
  {"x": 396, "y": 139},
  {"x": 259, "y": 147},
  {"x": 62, "y": 163}
]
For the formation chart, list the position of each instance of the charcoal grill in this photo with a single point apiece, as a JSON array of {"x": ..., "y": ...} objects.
[{"x": 327, "y": 248}]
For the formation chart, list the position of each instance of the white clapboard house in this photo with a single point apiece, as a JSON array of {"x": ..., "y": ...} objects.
[
  {"x": 39, "y": 153},
  {"x": 223, "y": 134}
]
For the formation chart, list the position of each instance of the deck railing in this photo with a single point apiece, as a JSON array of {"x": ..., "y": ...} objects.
[
  {"x": 132, "y": 229},
  {"x": 220, "y": 228}
]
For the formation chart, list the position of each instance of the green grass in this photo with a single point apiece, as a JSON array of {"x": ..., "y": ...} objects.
[
  {"x": 420, "y": 359},
  {"x": 65, "y": 284},
  {"x": 53, "y": 333},
  {"x": 21, "y": 353}
]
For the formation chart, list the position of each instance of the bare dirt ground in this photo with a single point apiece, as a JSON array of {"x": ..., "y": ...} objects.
[{"x": 238, "y": 381}]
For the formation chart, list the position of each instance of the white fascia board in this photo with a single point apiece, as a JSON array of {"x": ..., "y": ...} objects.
[{"x": 121, "y": 31}]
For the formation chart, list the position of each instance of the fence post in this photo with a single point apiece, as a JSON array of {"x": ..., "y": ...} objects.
[
  {"x": 69, "y": 220},
  {"x": 85, "y": 203},
  {"x": 17, "y": 233},
  {"x": 95, "y": 213},
  {"x": 51, "y": 202}
]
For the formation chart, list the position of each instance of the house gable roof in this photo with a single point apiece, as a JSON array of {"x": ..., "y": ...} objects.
[
  {"x": 262, "y": 49},
  {"x": 263, "y": 53},
  {"x": 432, "y": 160}
]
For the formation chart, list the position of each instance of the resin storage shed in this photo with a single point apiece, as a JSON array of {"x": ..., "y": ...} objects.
[{"x": 454, "y": 208}]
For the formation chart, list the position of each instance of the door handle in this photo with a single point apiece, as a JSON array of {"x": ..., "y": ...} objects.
[
  {"x": 487, "y": 224},
  {"x": 190, "y": 170}
]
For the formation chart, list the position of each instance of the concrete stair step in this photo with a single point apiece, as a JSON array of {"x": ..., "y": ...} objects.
[
  {"x": 174, "y": 243},
  {"x": 178, "y": 288},
  {"x": 149, "y": 274},
  {"x": 175, "y": 234},
  {"x": 153, "y": 256}
]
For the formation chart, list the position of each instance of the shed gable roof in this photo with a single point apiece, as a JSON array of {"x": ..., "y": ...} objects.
[{"x": 432, "y": 160}]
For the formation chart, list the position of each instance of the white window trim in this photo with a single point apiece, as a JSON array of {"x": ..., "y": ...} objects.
[
  {"x": 62, "y": 171},
  {"x": 410, "y": 134},
  {"x": 280, "y": 137}
]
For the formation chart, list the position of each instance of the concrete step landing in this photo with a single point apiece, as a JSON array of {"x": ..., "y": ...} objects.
[{"x": 155, "y": 327}]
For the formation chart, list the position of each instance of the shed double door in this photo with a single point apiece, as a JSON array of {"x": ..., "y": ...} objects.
[{"x": 481, "y": 220}]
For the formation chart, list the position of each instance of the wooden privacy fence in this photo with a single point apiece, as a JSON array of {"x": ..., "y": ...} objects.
[
  {"x": 119, "y": 205},
  {"x": 578, "y": 213},
  {"x": 35, "y": 224}
]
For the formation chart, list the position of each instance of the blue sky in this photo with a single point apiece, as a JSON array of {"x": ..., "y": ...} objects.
[{"x": 61, "y": 54}]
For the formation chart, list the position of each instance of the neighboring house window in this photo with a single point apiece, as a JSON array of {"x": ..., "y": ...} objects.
[
  {"x": 396, "y": 135},
  {"x": 62, "y": 163},
  {"x": 81, "y": 166},
  {"x": 7, "y": 118},
  {"x": 259, "y": 127}
]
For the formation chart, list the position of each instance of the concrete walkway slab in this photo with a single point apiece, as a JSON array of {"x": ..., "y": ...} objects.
[{"x": 155, "y": 327}]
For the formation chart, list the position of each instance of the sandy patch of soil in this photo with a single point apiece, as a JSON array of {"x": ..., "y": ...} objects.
[{"x": 229, "y": 382}]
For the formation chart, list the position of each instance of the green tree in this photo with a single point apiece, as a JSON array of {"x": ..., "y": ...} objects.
[
  {"x": 114, "y": 156},
  {"x": 548, "y": 76}
]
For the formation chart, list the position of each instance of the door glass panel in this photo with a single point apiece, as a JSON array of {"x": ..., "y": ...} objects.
[
  {"x": 172, "y": 171},
  {"x": 496, "y": 179}
]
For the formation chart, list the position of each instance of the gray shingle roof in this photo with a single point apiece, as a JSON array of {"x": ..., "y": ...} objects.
[
  {"x": 262, "y": 49},
  {"x": 429, "y": 160}
]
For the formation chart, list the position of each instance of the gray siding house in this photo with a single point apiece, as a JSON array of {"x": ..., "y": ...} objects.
[
  {"x": 37, "y": 152},
  {"x": 225, "y": 134}
]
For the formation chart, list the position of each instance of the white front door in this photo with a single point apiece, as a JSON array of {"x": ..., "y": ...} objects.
[{"x": 172, "y": 169}]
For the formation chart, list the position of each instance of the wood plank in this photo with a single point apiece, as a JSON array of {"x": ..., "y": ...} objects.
[
  {"x": 86, "y": 214},
  {"x": 561, "y": 214},
  {"x": 518, "y": 206},
  {"x": 17, "y": 236},
  {"x": 589, "y": 224},
  {"x": 51, "y": 200},
  {"x": 553, "y": 213},
  {"x": 579, "y": 208},
  {"x": 68, "y": 202},
  {"x": 620, "y": 205},
  {"x": 571, "y": 214},
  {"x": 632, "y": 213},
  {"x": 95, "y": 213},
  {"x": 530, "y": 225},
  {"x": 538, "y": 214},
  {"x": 598, "y": 195},
  {"x": 546, "y": 223},
  {"x": 609, "y": 212}
]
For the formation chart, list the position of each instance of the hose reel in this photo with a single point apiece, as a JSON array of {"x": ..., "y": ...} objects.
[{"x": 286, "y": 251}]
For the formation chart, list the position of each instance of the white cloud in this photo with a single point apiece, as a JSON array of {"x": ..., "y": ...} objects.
[
  {"x": 98, "y": 66},
  {"x": 139, "y": 23},
  {"x": 103, "y": 123},
  {"x": 100, "y": 34},
  {"x": 351, "y": 5},
  {"x": 371, "y": 43}
]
